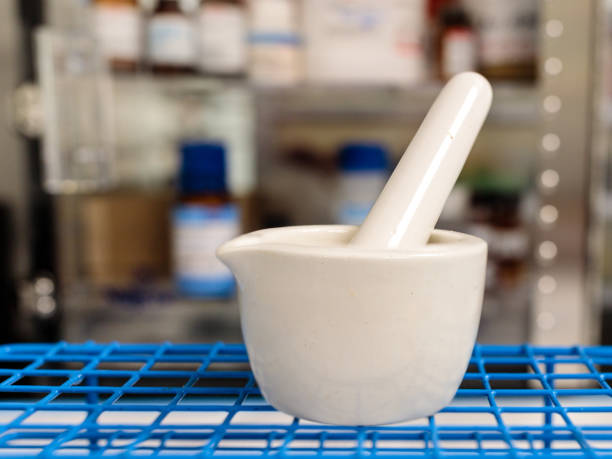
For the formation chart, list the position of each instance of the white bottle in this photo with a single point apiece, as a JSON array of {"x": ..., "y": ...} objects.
[
  {"x": 274, "y": 43},
  {"x": 222, "y": 37},
  {"x": 118, "y": 30}
]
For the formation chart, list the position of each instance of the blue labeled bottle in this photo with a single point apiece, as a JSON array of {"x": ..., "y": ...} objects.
[
  {"x": 364, "y": 170},
  {"x": 203, "y": 219}
]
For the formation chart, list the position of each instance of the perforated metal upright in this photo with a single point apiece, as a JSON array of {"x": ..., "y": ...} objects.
[{"x": 567, "y": 234}]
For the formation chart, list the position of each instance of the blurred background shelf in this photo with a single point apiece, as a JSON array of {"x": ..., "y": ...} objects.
[
  {"x": 513, "y": 103},
  {"x": 292, "y": 124},
  {"x": 191, "y": 320}
]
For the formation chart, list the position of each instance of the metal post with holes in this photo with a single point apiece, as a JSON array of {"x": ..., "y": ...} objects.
[{"x": 563, "y": 301}]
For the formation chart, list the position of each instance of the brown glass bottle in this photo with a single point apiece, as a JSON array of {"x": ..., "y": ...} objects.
[
  {"x": 507, "y": 32},
  {"x": 457, "y": 48},
  {"x": 512, "y": 243},
  {"x": 171, "y": 41}
]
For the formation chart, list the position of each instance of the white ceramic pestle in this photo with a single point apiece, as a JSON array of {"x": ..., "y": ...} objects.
[
  {"x": 376, "y": 324},
  {"x": 409, "y": 206}
]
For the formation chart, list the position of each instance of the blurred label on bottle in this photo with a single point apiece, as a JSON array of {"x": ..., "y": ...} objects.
[
  {"x": 507, "y": 31},
  {"x": 459, "y": 52},
  {"x": 365, "y": 41},
  {"x": 222, "y": 38},
  {"x": 117, "y": 29},
  {"x": 198, "y": 231},
  {"x": 275, "y": 56},
  {"x": 275, "y": 62},
  {"x": 364, "y": 167},
  {"x": 171, "y": 40},
  {"x": 353, "y": 214}
]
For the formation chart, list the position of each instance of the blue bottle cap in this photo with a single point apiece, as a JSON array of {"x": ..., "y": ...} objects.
[
  {"x": 363, "y": 157},
  {"x": 202, "y": 168}
]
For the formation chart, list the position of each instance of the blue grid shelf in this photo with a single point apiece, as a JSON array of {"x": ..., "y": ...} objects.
[{"x": 176, "y": 400}]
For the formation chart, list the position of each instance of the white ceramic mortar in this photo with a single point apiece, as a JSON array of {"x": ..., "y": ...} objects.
[{"x": 343, "y": 335}]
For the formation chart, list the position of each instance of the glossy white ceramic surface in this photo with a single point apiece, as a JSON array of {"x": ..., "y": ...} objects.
[
  {"x": 346, "y": 335},
  {"x": 406, "y": 211}
]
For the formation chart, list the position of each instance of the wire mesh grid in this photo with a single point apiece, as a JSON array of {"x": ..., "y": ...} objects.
[{"x": 202, "y": 400}]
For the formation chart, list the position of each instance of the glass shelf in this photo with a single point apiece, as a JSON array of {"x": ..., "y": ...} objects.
[{"x": 513, "y": 104}]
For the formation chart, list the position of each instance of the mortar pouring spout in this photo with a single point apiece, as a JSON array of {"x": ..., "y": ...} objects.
[{"x": 237, "y": 253}]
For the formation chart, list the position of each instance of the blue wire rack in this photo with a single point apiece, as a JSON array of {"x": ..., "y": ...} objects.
[{"x": 177, "y": 400}]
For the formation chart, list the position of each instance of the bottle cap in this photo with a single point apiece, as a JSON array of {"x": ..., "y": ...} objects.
[
  {"x": 202, "y": 167},
  {"x": 363, "y": 157},
  {"x": 455, "y": 16}
]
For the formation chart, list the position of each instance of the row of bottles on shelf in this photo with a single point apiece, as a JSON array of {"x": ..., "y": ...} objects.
[
  {"x": 130, "y": 242},
  {"x": 133, "y": 240},
  {"x": 284, "y": 42}
]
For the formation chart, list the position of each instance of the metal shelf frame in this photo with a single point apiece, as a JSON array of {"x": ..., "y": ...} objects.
[{"x": 568, "y": 233}]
